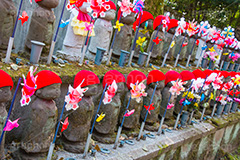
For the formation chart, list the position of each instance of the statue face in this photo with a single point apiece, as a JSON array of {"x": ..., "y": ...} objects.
[
  {"x": 187, "y": 85},
  {"x": 121, "y": 87},
  {"x": 5, "y": 94},
  {"x": 150, "y": 24},
  {"x": 226, "y": 80},
  {"x": 109, "y": 15},
  {"x": 48, "y": 3},
  {"x": 160, "y": 85},
  {"x": 49, "y": 92},
  {"x": 93, "y": 89},
  {"x": 130, "y": 19}
]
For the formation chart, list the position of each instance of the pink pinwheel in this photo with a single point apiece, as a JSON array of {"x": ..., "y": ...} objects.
[
  {"x": 237, "y": 100},
  {"x": 126, "y": 7},
  {"x": 234, "y": 57},
  {"x": 11, "y": 124},
  {"x": 138, "y": 6},
  {"x": 211, "y": 78},
  {"x": 110, "y": 93},
  {"x": 74, "y": 97},
  {"x": 203, "y": 28},
  {"x": 229, "y": 99},
  {"x": 166, "y": 22},
  {"x": 177, "y": 87},
  {"x": 197, "y": 83},
  {"x": 229, "y": 41},
  {"x": 217, "y": 82},
  {"x": 138, "y": 91},
  {"x": 170, "y": 106},
  {"x": 129, "y": 113},
  {"x": 181, "y": 101},
  {"x": 29, "y": 87},
  {"x": 88, "y": 27}
]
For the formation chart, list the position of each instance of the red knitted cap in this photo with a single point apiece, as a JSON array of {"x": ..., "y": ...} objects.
[
  {"x": 187, "y": 75},
  {"x": 199, "y": 74},
  {"x": 113, "y": 75},
  {"x": 5, "y": 79},
  {"x": 232, "y": 74},
  {"x": 172, "y": 76},
  {"x": 208, "y": 72},
  {"x": 135, "y": 76},
  {"x": 225, "y": 74},
  {"x": 173, "y": 23},
  {"x": 145, "y": 16},
  {"x": 157, "y": 21},
  {"x": 109, "y": 5},
  {"x": 155, "y": 76},
  {"x": 47, "y": 78},
  {"x": 89, "y": 77}
]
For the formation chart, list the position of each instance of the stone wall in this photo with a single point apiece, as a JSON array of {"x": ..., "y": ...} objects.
[{"x": 203, "y": 141}]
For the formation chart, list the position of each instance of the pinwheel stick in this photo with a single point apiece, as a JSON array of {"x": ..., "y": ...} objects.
[
  {"x": 179, "y": 114},
  {"x": 178, "y": 55},
  {"x": 204, "y": 108},
  {"x": 163, "y": 117},
  {"x": 191, "y": 116},
  {"x": 150, "y": 53},
  {"x": 11, "y": 39},
  {"x": 190, "y": 54},
  {"x": 114, "y": 37},
  {"x": 90, "y": 134},
  {"x": 85, "y": 45},
  {"x": 134, "y": 42},
  {"x": 120, "y": 127},
  {"x": 166, "y": 55},
  {"x": 50, "y": 151},
  {"x": 222, "y": 62},
  {"x": 143, "y": 123},
  {"x": 10, "y": 109},
  {"x": 55, "y": 38},
  {"x": 200, "y": 56}
]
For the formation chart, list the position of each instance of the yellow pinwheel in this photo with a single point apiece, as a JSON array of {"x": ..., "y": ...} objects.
[
  {"x": 118, "y": 26},
  {"x": 196, "y": 105},
  {"x": 212, "y": 49},
  {"x": 100, "y": 117},
  {"x": 211, "y": 96},
  {"x": 143, "y": 31},
  {"x": 237, "y": 81},
  {"x": 140, "y": 41},
  {"x": 172, "y": 44}
]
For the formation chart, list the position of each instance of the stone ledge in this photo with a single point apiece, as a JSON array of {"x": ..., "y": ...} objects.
[{"x": 150, "y": 148}]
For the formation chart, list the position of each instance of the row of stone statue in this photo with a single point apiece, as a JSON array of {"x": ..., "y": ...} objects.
[
  {"x": 37, "y": 121},
  {"x": 43, "y": 21}
]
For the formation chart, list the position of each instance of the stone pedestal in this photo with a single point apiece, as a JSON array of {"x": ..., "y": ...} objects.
[
  {"x": 8, "y": 12},
  {"x": 42, "y": 24}
]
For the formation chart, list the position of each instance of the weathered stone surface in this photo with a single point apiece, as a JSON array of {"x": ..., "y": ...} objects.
[
  {"x": 42, "y": 23},
  {"x": 74, "y": 138},
  {"x": 8, "y": 12},
  {"x": 37, "y": 123},
  {"x": 105, "y": 129},
  {"x": 140, "y": 34},
  {"x": 5, "y": 96},
  {"x": 131, "y": 122},
  {"x": 165, "y": 97},
  {"x": 152, "y": 119},
  {"x": 157, "y": 49},
  {"x": 103, "y": 32},
  {"x": 124, "y": 37}
]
